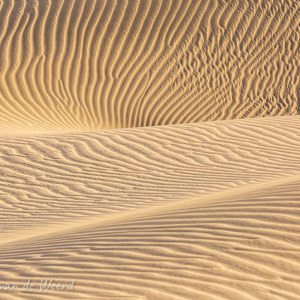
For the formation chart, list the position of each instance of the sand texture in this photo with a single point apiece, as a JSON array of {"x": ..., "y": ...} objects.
[
  {"x": 95, "y": 64},
  {"x": 191, "y": 211},
  {"x": 150, "y": 149}
]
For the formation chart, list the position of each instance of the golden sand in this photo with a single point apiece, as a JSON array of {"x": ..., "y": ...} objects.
[
  {"x": 97, "y": 201},
  {"x": 95, "y": 64}
]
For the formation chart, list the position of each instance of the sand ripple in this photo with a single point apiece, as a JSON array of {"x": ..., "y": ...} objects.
[
  {"x": 190, "y": 211},
  {"x": 46, "y": 178},
  {"x": 96, "y": 64}
]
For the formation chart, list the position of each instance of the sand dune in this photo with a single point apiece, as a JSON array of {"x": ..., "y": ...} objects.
[
  {"x": 49, "y": 178},
  {"x": 190, "y": 211},
  {"x": 245, "y": 247},
  {"x": 96, "y": 64},
  {"x": 99, "y": 202}
]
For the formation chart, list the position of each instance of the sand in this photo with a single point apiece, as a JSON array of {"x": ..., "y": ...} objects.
[
  {"x": 149, "y": 149},
  {"x": 95, "y": 64},
  {"x": 191, "y": 211}
]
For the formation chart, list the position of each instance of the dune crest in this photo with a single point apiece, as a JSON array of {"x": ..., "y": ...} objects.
[
  {"x": 54, "y": 178},
  {"x": 96, "y": 64}
]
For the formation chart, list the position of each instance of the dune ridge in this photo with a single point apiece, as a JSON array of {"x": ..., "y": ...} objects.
[
  {"x": 246, "y": 246},
  {"x": 96, "y": 64},
  {"x": 50, "y": 178}
]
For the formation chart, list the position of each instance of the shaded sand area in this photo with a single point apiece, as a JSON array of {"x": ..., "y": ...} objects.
[
  {"x": 103, "y": 64},
  {"x": 191, "y": 211}
]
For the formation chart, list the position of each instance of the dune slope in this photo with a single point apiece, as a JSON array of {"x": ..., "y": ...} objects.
[
  {"x": 97, "y": 64},
  {"x": 51, "y": 178},
  {"x": 190, "y": 211},
  {"x": 99, "y": 202},
  {"x": 244, "y": 246}
]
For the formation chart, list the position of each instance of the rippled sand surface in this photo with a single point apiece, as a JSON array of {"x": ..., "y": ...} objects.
[
  {"x": 69, "y": 65},
  {"x": 97, "y": 201}
]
